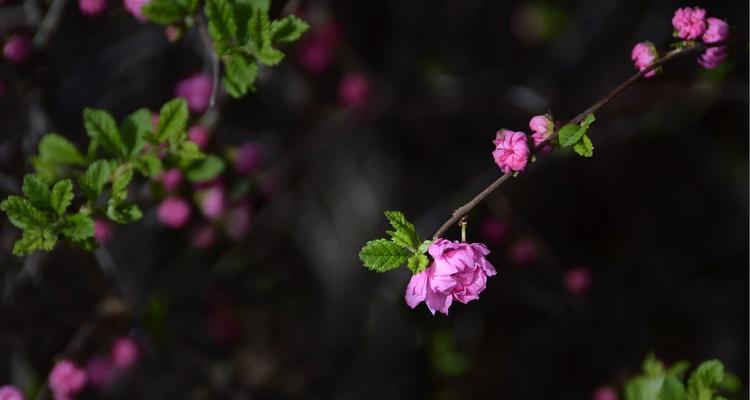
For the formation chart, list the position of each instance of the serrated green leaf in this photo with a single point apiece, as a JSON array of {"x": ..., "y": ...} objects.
[
  {"x": 78, "y": 227},
  {"x": 22, "y": 213},
  {"x": 205, "y": 169},
  {"x": 240, "y": 74},
  {"x": 101, "y": 127},
  {"x": 148, "y": 165},
  {"x": 165, "y": 12},
  {"x": 54, "y": 148},
  {"x": 188, "y": 153},
  {"x": 418, "y": 262},
  {"x": 705, "y": 380},
  {"x": 135, "y": 128},
  {"x": 93, "y": 180},
  {"x": 424, "y": 246},
  {"x": 36, "y": 191},
  {"x": 588, "y": 121},
  {"x": 405, "y": 234},
  {"x": 222, "y": 26},
  {"x": 34, "y": 239},
  {"x": 382, "y": 255},
  {"x": 173, "y": 119},
  {"x": 584, "y": 147},
  {"x": 120, "y": 183},
  {"x": 124, "y": 213},
  {"x": 88, "y": 244},
  {"x": 61, "y": 196},
  {"x": 651, "y": 366},
  {"x": 268, "y": 55},
  {"x": 671, "y": 389},
  {"x": 569, "y": 135},
  {"x": 288, "y": 29}
]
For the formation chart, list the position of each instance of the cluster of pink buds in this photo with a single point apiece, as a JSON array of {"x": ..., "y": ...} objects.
[{"x": 512, "y": 151}]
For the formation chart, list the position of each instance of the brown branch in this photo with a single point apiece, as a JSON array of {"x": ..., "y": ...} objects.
[{"x": 464, "y": 209}]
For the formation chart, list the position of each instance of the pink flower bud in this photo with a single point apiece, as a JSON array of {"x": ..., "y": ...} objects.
[
  {"x": 17, "y": 48},
  {"x": 511, "y": 152},
  {"x": 99, "y": 370},
  {"x": 92, "y": 8},
  {"x": 248, "y": 158},
  {"x": 354, "y": 90},
  {"x": 237, "y": 221},
  {"x": 494, "y": 230},
  {"x": 124, "y": 352},
  {"x": 459, "y": 272},
  {"x": 9, "y": 392},
  {"x": 577, "y": 280},
  {"x": 204, "y": 236},
  {"x": 134, "y": 7},
  {"x": 174, "y": 212},
  {"x": 212, "y": 201},
  {"x": 717, "y": 31},
  {"x": 604, "y": 393},
  {"x": 541, "y": 126},
  {"x": 199, "y": 135},
  {"x": 689, "y": 23},
  {"x": 66, "y": 379},
  {"x": 196, "y": 90},
  {"x": 102, "y": 231},
  {"x": 643, "y": 55},
  {"x": 523, "y": 252},
  {"x": 171, "y": 179}
]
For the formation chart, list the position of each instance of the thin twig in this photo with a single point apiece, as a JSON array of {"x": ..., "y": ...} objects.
[
  {"x": 49, "y": 23},
  {"x": 464, "y": 209},
  {"x": 211, "y": 54}
]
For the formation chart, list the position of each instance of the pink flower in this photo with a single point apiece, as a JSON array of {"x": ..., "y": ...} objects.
[
  {"x": 643, "y": 55},
  {"x": 173, "y": 212},
  {"x": 66, "y": 379},
  {"x": 493, "y": 230},
  {"x": 99, "y": 370},
  {"x": 102, "y": 231},
  {"x": 212, "y": 201},
  {"x": 459, "y": 271},
  {"x": 196, "y": 89},
  {"x": 541, "y": 126},
  {"x": 511, "y": 151},
  {"x": 717, "y": 31},
  {"x": 248, "y": 157},
  {"x": 577, "y": 280},
  {"x": 204, "y": 236},
  {"x": 237, "y": 220},
  {"x": 523, "y": 252},
  {"x": 689, "y": 23},
  {"x": 316, "y": 53},
  {"x": 92, "y": 8},
  {"x": 171, "y": 179},
  {"x": 134, "y": 7},
  {"x": 354, "y": 90},
  {"x": 124, "y": 352},
  {"x": 17, "y": 48},
  {"x": 604, "y": 393},
  {"x": 199, "y": 135},
  {"x": 9, "y": 392}
]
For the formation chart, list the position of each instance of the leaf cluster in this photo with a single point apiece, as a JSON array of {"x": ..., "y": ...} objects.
[{"x": 404, "y": 246}]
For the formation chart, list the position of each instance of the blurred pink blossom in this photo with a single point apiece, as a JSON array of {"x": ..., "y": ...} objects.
[
  {"x": 171, "y": 179},
  {"x": 99, "y": 370},
  {"x": 248, "y": 157},
  {"x": 199, "y": 135},
  {"x": 643, "y": 55},
  {"x": 511, "y": 152},
  {"x": 173, "y": 33},
  {"x": 604, "y": 393},
  {"x": 103, "y": 231},
  {"x": 212, "y": 201},
  {"x": 354, "y": 90},
  {"x": 689, "y": 23},
  {"x": 9, "y": 392},
  {"x": 196, "y": 90},
  {"x": 17, "y": 48},
  {"x": 173, "y": 212},
  {"x": 523, "y": 252},
  {"x": 493, "y": 230},
  {"x": 237, "y": 220},
  {"x": 66, "y": 379},
  {"x": 92, "y": 8},
  {"x": 717, "y": 31},
  {"x": 577, "y": 280},
  {"x": 134, "y": 7},
  {"x": 124, "y": 352},
  {"x": 204, "y": 236}
]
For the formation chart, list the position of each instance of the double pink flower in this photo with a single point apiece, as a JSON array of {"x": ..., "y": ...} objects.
[
  {"x": 512, "y": 151},
  {"x": 689, "y": 23},
  {"x": 643, "y": 55},
  {"x": 459, "y": 272}
]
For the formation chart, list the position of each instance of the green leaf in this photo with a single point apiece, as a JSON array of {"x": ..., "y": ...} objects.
[
  {"x": 678, "y": 369},
  {"x": 61, "y": 196},
  {"x": 165, "y": 12},
  {"x": 651, "y": 366},
  {"x": 148, "y": 165},
  {"x": 269, "y": 56},
  {"x": 405, "y": 235},
  {"x": 120, "y": 184},
  {"x": 584, "y": 147},
  {"x": 382, "y": 255},
  {"x": 135, "y": 128},
  {"x": 588, "y": 121},
  {"x": 54, "y": 148},
  {"x": 424, "y": 246},
  {"x": 262, "y": 5},
  {"x": 221, "y": 24},
  {"x": 78, "y": 227},
  {"x": 88, "y": 244},
  {"x": 34, "y": 239},
  {"x": 36, "y": 191},
  {"x": 569, "y": 135},
  {"x": 705, "y": 380},
  {"x": 205, "y": 169},
  {"x": 240, "y": 74},
  {"x": 188, "y": 153},
  {"x": 173, "y": 118},
  {"x": 93, "y": 180},
  {"x": 102, "y": 127},
  {"x": 671, "y": 389},
  {"x": 418, "y": 262},
  {"x": 124, "y": 213},
  {"x": 288, "y": 29},
  {"x": 22, "y": 213}
]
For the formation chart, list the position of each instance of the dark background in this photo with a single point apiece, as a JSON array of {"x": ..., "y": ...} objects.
[{"x": 659, "y": 214}]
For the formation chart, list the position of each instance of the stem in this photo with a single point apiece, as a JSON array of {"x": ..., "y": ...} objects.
[
  {"x": 211, "y": 54},
  {"x": 464, "y": 209}
]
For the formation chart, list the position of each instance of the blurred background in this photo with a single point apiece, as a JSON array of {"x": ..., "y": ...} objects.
[{"x": 394, "y": 105}]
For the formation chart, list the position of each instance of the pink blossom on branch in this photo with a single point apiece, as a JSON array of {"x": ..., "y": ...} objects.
[
  {"x": 9, "y": 392},
  {"x": 17, "y": 48},
  {"x": 689, "y": 23},
  {"x": 173, "y": 212},
  {"x": 542, "y": 127},
  {"x": 66, "y": 379},
  {"x": 717, "y": 31},
  {"x": 196, "y": 90},
  {"x": 459, "y": 271},
  {"x": 134, "y": 7},
  {"x": 512, "y": 151},
  {"x": 643, "y": 55}
]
